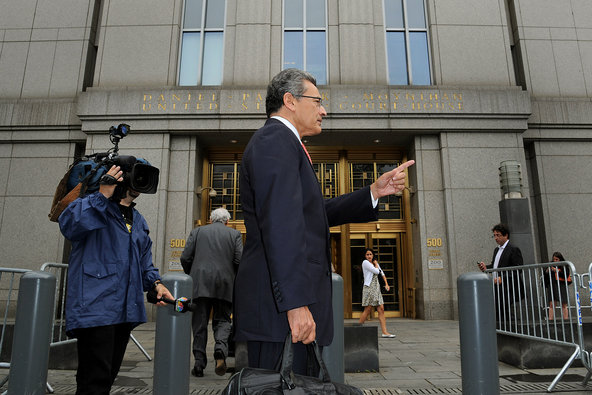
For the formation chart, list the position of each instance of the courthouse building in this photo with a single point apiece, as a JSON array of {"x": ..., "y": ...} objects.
[{"x": 459, "y": 86}]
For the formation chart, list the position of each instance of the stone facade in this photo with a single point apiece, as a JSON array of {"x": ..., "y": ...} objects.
[{"x": 509, "y": 82}]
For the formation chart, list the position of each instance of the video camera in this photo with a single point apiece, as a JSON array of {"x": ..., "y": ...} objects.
[{"x": 138, "y": 174}]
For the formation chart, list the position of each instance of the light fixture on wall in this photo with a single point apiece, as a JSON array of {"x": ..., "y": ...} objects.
[
  {"x": 510, "y": 179},
  {"x": 211, "y": 194}
]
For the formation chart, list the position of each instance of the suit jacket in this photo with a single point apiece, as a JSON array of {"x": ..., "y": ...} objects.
[
  {"x": 511, "y": 256},
  {"x": 287, "y": 258},
  {"x": 211, "y": 255}
]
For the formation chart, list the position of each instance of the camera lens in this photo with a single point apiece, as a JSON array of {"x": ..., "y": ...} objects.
[{"x": 144, "y": 178}]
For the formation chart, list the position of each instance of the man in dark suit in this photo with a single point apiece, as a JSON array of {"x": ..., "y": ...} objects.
[
  {"x": 508, "y": 283},
  {"x": 284, "y": 279},
  {"x": 211, "y": 256}
]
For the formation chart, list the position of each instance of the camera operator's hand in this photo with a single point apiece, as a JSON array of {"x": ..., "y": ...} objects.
[
  {"x": 108, "y": 189},
  {"x": 162, "y": 291}
]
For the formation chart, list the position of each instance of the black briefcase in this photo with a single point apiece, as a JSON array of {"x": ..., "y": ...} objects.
[{"x": 252, "y": 381}]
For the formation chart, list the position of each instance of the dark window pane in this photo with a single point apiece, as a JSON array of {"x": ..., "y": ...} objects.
[
  {"x": 397, "y": 58},
  {"x": 215, "y": 14},
  {"x": 189, "y": 59},
  {"x": 357, "y": 250},
  {"x": 315, "y": 14},
  {"x": 316, "y": 57},
  {"x": 192, "y": 19},
  {"x": 293, "y": 51},
  {"x": 415, "y": 14},
  {"x": 361, "y": 175},
  {"x": 420, "y": 65},
  {"x": 293, "y": 13},
  {"x": 393, "y": 14}
]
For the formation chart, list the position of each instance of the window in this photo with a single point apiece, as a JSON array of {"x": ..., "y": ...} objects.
[
  {"x": 224, "y": 180},
  {"x": 202, "y": 42},
  {"x": 364, "y": 174},
  {"x": 407, "y": 42},
  {"x": 305, "y": 37}
]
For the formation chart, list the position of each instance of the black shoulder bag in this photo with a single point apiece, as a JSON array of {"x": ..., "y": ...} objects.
[{"x": 253, "y": 381}]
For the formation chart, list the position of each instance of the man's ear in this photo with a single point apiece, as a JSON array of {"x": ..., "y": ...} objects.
[{"x": 289, "y": 101}]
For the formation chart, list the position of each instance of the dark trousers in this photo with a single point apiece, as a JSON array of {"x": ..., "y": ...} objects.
[
  {"x": 100, "y": 353},
  {"x": 221, "y": 325},
  {"x": 268, "y": 355}
]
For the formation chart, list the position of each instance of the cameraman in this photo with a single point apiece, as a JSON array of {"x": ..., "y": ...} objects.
[{"x": 110, "y": 268}]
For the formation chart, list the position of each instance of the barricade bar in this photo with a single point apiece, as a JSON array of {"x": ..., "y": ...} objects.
[{"x": 537, "y": 302}]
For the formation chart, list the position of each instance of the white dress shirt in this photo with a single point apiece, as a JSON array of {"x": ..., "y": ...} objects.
[{"x": 499, "y": 254}]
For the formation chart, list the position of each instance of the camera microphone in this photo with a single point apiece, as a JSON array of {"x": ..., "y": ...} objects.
[{"x": 182, "y": 305}]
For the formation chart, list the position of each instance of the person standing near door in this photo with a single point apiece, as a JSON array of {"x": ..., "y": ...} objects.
[
  {"x": 211, "y": 256},
  {"x": 371, "y": 294},
  {"x": 283, "y": 283}
]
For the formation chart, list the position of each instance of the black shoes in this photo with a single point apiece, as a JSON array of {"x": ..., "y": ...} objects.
[
  {"x": 220, "y": 363},
  {"x": 197, "y": 372}
]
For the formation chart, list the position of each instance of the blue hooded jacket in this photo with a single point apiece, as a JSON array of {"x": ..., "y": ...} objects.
[{"x": 110, "y": 266}]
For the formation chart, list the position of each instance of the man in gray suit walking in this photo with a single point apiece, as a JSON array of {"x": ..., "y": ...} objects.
[{"x": 211, "y": 256}]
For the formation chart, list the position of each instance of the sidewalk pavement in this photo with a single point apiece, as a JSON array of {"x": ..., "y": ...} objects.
[{"x": 424, "y": 358}]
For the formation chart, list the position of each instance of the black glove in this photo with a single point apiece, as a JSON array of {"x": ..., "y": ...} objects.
[{"x": 107, "y": 179}]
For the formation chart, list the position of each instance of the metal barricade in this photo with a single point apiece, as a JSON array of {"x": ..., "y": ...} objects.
[
  {"x": 9, "y": 280},
  {"x": 523, "y": 309},
  {"x": 59, "y": 337},
  {"x": 7, "y": 284}
]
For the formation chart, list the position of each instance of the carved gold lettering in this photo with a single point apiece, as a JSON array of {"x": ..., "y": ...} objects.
[
  {"x": 186, "y": 104},
  {"x": 213, "y": 106},
  {"x": 147, "y": 106},
  {"x": 162, "y": 106},
  {"x": 244, "y": 106}
]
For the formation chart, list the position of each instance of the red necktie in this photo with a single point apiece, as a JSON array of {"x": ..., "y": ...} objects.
[{"x": 304, "y": 148}]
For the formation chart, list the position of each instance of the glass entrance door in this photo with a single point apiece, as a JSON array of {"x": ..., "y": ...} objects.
[{"x": 386, "y": 247}]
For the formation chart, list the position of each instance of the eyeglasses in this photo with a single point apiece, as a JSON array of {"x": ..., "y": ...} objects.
[{"x": 318, "y": 100}]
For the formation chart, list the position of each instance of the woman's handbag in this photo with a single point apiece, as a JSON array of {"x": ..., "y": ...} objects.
[{"x": 253, "y": 381}]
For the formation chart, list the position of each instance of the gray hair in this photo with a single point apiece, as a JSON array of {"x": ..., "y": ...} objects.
[
  {"x": 220, "y": 215},
  {"x": 288, "y": 80}
]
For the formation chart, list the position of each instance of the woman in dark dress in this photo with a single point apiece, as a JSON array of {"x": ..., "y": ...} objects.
[{"x": 557, "y": 279}]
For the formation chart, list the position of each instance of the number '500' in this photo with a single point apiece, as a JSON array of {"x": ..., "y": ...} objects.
[
  {"x": 177, "y": 243},
  {"x": 434, "y": 242}
]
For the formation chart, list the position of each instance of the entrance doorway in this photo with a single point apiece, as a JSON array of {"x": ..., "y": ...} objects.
[
  {"x": 339, "y": 171},
  {"x": 386, "y": 248}
]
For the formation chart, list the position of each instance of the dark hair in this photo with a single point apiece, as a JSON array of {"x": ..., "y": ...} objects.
[
  {"x": 288, "y": 80},
  {"x": 502, "y": 229},
  {"x": 558, "y": 255},
  {"x": 373, "y": 254}
]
